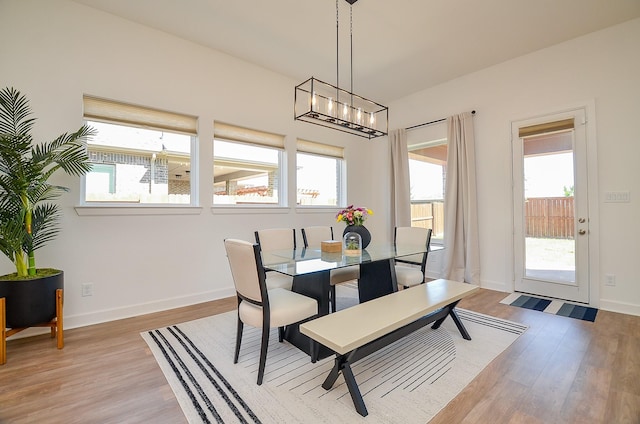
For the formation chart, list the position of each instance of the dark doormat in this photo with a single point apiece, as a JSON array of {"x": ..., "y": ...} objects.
[{"x": 551, "y": 306}]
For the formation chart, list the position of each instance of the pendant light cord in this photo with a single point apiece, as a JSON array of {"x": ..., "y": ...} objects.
[
  {"x": 338, "y": 47},
  {"x": 351, "y": 41},
  {"x": 337, "y": 54}
]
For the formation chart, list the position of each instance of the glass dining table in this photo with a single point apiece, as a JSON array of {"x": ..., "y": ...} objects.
[{"x": 310, "y": 269}]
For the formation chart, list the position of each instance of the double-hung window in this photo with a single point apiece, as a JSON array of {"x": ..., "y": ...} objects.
[
  {"x": 319, "y": 174},
  {"x": 140, "y": 155},
  {"x": 427, "y": 171},
  {"x": 247, "y": 167}
]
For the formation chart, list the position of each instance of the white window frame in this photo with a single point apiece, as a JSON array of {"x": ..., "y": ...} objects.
[
  {"x": 119, "y": 113},
  {"x": 427, "y": 144},
  {"x": 326, "y": 151},
  {"x": 241, "y": 135}
]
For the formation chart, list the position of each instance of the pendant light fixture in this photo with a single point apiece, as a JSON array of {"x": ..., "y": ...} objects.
[{"x": 321, "y": 103}]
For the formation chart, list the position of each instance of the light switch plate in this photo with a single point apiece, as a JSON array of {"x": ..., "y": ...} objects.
[{"x": 617, "y": 197}]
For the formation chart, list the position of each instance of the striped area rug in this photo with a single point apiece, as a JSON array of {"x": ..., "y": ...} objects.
[
  {"x": 408, "y": 381},
  {"x": 551, "y": 306}
]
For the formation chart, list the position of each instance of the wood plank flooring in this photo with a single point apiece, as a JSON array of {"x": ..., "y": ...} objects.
[{"x": 562, "y": 370}]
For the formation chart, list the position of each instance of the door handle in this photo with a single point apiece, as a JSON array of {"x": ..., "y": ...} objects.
[
  {"x": 582, "y": 232},
  {"x": 581, "y": 220}
]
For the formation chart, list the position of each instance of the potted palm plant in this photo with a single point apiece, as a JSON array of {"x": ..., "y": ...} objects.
[{"x": 29, "y": 218}]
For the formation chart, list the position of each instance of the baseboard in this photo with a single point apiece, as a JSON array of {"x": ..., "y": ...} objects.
[
  {"x": 494, "y": 285},
  {"x": 490, "y": 285},
  {"x": 106, "y": 315},
  {"x": 620, "y": 307}
]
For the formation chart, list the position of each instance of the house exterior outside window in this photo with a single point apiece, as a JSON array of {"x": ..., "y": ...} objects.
[
  {"x": 139, "y": 155},
  {"x": 427, "y": 171},
  {"x": 247, "y": 167},
  {"x": 320, "y": 171}
]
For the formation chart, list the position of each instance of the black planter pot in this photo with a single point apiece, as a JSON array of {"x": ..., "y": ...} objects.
[
  {"x": 30, "y": 302},
  {"x": 360, "y": 229}
]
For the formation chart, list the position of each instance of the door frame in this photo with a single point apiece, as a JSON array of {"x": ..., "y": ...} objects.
[{"x": 592, "y": 193}]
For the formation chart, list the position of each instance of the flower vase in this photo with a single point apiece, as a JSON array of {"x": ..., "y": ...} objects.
[{"x": 360, "y": 229}]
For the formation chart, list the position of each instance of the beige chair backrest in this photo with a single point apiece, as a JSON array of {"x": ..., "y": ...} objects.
[
  {"x": 412, "y": 236},
  {"x": 314, "y": 235},
  {"x": 276, "y": 239},
  {"x": 244, "y": 269}
]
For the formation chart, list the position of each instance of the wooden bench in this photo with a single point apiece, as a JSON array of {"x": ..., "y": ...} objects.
[{"x": 356, "y": 332}]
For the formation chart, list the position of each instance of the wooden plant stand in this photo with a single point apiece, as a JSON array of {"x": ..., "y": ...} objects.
[{"x": 55, "y": 325}]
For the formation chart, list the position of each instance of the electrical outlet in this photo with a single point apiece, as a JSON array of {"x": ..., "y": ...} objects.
[
  {"x": 610, "y": 280},
  {"x": 87, "y": 289}
]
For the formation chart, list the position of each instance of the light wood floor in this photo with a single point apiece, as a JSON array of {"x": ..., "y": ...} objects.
[{"x": 561, "y": 370}]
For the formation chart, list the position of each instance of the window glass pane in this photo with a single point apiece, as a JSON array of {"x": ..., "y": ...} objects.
[
  {"x": 245, "y": 174},
  {"x": 427, "y": 170},
  {"x": 550, "y": 243},
  {"x": 318, "y": 180},
  {"x": 137, "y": 165},
  {"x": 102, "y": 178}
]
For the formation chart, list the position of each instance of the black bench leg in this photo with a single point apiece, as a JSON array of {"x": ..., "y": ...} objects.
[
  {"x": 461, "y": 328},
  {"x": 333, "y": 374},
  {"x": 455, "y": 318},
  {"x": 447, "y": 308},
  {"x": 342, "y": 364},
  {"x": 354, "y": 390}
]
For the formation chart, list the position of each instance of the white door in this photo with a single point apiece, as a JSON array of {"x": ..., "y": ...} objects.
[{"x": 551, "y": 216}]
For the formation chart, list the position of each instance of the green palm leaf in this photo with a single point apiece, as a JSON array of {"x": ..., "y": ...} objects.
[{"x": 28, "y": 219}]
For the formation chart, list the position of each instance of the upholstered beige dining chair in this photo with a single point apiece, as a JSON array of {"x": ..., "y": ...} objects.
[
  {"x": 277, "y": 239},
  {"x": 259, "y": 306},
  {"x": 410, "y": 269},
  {"x": 312, "y": 237}
]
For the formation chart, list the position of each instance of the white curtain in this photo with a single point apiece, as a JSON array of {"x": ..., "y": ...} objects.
[
  {"x": 400, "y": 188},
  {"x": 461, "y": 253}
]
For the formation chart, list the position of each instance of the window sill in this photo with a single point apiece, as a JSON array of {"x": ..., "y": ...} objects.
[
  {"x": 249, "y": 209},
  {"x": 123, "y": 210},
  {"x": 318, "y": 209}
]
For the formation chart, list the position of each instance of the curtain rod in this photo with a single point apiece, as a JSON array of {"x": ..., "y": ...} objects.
[{"x": 473, "y": 112}]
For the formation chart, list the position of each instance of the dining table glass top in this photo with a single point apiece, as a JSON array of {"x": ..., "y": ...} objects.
[{"x": 309, "y": 260}]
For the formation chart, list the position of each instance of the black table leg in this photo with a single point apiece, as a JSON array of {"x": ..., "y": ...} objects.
[
  {"x": 316, "y": 286},
  {"x": 377, "y": 279}
]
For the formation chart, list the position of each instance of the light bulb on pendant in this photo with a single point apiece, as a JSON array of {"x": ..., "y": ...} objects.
[
  {"x": 313, "y": 101},
  {"x": 372, "y": 120},
  {"x": 345, "y": 112},
  {"x": 330, "y": 106},
  {"x": 359, "y": 116}
]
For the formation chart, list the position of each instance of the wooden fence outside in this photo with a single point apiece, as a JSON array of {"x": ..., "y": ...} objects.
[
  {"x": 545, "y": 217},
  {"x": 428, "y": 214},
  {"x": 549, "y": 217}
]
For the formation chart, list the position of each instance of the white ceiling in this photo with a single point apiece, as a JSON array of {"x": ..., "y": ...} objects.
[{"x": 399, "y": 47}]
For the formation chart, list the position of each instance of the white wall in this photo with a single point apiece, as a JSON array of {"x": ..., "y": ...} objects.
[
  {"x": 54, "y": 52},
  {"x": 602, "y": 68}
]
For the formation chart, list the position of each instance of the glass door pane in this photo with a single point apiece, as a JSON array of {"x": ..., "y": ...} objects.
[{"x": 549, "y": 208}]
